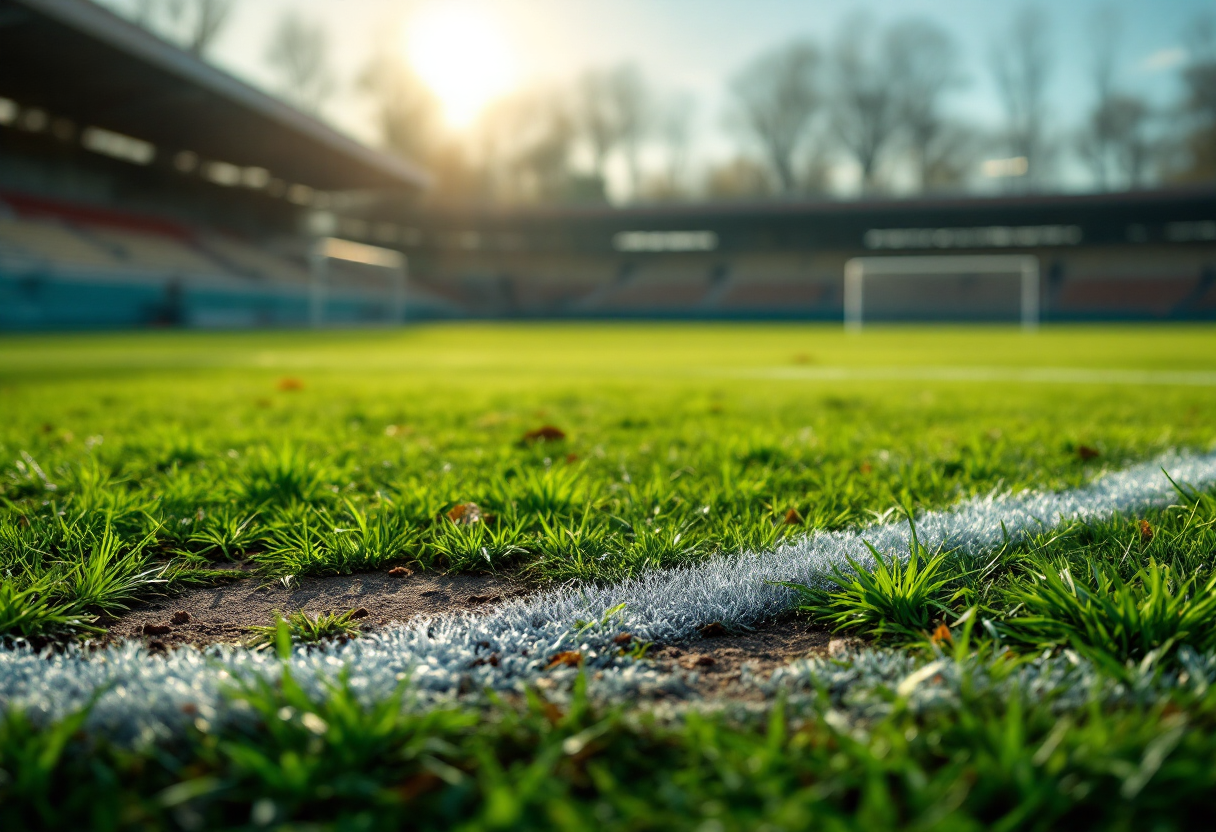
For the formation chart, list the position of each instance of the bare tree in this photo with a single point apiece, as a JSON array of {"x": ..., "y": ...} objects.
[
  {"x": 866, "y": 111},
  {"x": 612, "y": 113},
  {"x": 1200, "y": 73},
  {"x": 192, "y": 24},
  {"x": 951, "y": 157},
  {"x": 923, "y": 68},
  {"x": 1199, "y": 77},
  {"x": 407, "y": 112},
  {"x": 674, "y": 134},
  {"x": 525, "y": 147},
  {"x": 631, "y": 100},
  {"x": 208, "y": 21},
  {"x": 777, "y": 98},
  {"x": 740, "y": 178},
  {"x": 299, "y": 54},
  {"x": 1115, "y": 140},
  {"x": 1022, "y": 66},
  {"x": 1100, "y": 132}
]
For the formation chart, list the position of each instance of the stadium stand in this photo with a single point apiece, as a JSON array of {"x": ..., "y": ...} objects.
[
  {"x": 140, "y": 186},
  {"x": 1126, "y": 256}
]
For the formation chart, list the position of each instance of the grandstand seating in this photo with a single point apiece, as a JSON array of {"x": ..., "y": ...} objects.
[
  {"x": 44, "y": 241},
  {"x": 156, "y": 252},
  {"x": 67, "y": 264},
  {"x": 655, "y": 286},
  {"x": 244, "y": 258},
  {"x": 77, "y": 265}
]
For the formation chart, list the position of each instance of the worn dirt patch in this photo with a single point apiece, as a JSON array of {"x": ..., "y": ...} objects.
[
  {"x": 207, "y": 615},
  {"x": 715, "y": 659}
]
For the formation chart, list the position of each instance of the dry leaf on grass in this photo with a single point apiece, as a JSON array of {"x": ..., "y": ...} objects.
[
  {"x": 465, "y": 514},
  {"x": 793, "y": 518},
  {"x": 545, "y": 433},
  {"x": 289, "y": 383},
  {"x": 942, "y": 635},
  {"x": 1086, "y": 453},
  {"x": 566, "y": 658},
  {"x": 1146, "y": 531},
  {"x": 714, "y": 629}
]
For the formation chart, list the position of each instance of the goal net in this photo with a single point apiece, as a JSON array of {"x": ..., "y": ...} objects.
[
  {"x": 958, "y": 287},
  {"x": 369, "y": 270}
]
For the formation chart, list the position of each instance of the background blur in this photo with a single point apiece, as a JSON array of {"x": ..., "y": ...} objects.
[
  {"x": 541, "y": 158},
  {"x": 635, "y": 101}
]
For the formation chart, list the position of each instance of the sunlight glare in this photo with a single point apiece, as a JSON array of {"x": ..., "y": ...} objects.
[{"x": 461, "y": 54}]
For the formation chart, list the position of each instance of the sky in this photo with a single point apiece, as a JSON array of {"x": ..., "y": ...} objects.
[{"x": 692, "y": 46}]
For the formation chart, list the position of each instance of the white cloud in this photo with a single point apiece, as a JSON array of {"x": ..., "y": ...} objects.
[{"x": 1163, "y": 59}]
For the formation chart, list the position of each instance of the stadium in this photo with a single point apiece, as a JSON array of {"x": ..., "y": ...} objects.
[
  {"x": 184, "y": 197},
  {"x": 329, "y": 501}
]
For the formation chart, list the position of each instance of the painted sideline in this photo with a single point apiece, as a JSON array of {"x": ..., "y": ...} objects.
[
  {"x": 1029, "y": 375},
  {"x": 139, "y": 697}
]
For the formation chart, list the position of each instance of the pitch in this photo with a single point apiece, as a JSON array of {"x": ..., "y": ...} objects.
[{"x": 630, "y": 576}]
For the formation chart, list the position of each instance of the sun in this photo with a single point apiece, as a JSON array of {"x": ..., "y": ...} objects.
[{"x": 460, "y": 52}]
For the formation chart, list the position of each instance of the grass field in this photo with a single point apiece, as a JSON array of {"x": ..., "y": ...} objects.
[{"x": 135, "y": 465}]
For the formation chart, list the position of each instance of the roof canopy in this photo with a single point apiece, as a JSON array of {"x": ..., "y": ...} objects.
[{"x": 78, "y": 60}]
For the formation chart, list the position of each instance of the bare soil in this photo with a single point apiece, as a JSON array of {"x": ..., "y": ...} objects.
[
  {"x": 225, "y": 613},
  {"x": 715, "y": 658}
]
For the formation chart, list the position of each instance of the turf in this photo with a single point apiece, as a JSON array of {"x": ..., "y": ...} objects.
[
  {"x": 151, "y": 458},
  {"x": 134, "y": 464}
]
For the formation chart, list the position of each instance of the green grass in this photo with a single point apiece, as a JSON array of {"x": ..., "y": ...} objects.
[
  {"x": 135, "y": 464},
  {"x": 301, "y": 628},
  {"x": 185, "y": 449},
  {"x": 346, "y": 764}
]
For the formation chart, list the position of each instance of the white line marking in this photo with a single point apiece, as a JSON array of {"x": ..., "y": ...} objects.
[
  {"x": 144, "y": 698},
  {"x": 1028, "y": 375}
]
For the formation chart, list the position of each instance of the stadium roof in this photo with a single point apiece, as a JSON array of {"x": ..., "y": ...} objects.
[{"x": 80, "y": 61}]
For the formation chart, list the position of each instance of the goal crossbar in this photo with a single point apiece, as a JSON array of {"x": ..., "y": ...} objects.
[
  {"x": 1024, "y": 265},
  {"x": 326, "y": 249}
]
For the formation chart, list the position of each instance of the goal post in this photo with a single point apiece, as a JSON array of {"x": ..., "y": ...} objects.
[
  {"x": 325, "y": 249},
  {"x": 1026, "y": 266}
]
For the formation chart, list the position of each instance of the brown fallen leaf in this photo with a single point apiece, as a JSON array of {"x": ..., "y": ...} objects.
[
  {"x": 157, "y": 629},
  {"x": 566, "y": 658},
  {"x": 545, "y": 433},
  {"x": 866, "y": 467},
  {"x": 465, "y": 514},
  {"x": 290, "y": 383},
  {"x": 1146, "y": 531},
  {"x": 704, "y": 661},
  {"x": 793, "y": 518},
  {"x": 623, "y": 638},
  {"x": 401, "y": 571},
  {"x": 942, "y": 635},
  {"x": 360, "y": 613},
  {"x": 571, "y": 459},
  {"x": 714, "y": 629},
  {"x": 483, "y": 599},
  {"x": 181, "y": 617},
  {"x": 1086, "y": 453},
  {"x": 418, "y": 785}
]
